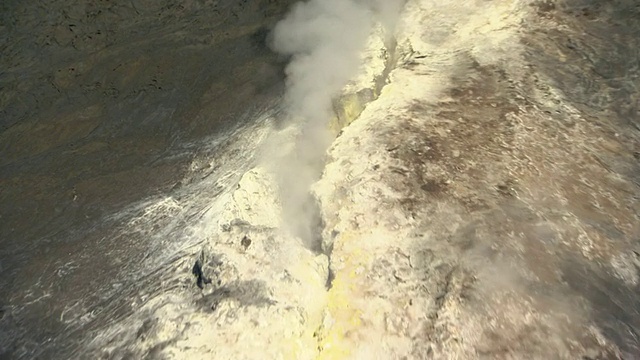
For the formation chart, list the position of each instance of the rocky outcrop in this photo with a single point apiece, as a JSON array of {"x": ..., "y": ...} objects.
[
  {"x": 378, "y": 59},
  {"x": 267, "y": 296},
  {"x": 267, "y": 288},
  {"x": 462, "y": 213},
  {"x": 481, "y": 204},
  {"x": 262, "y": 291},
  {"x": 485, "y": 205},
  {"x": 480, "y": 199}
]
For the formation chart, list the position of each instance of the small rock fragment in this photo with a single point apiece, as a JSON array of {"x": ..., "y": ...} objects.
[{"x": 245, "y": 242}]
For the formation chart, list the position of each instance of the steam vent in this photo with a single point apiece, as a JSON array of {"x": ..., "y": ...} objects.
[{"x": 319, "y": 179}]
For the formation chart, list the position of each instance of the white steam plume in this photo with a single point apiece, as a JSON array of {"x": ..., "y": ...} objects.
[{"x": 324, "y": 39}]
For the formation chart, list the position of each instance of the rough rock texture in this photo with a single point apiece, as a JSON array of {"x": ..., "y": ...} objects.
[
  {"x": 486, "y": 205},
  {"x": 104, "y": 104},
  {"x": 378, "y": 58},
  {"x": 266, "y": 293},
  {"x": 113, "y": 90},
  {"x": 263, "y": 290}
]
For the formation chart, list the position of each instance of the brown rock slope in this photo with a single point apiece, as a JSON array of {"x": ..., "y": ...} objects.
[{"x": 486, "y": 205}]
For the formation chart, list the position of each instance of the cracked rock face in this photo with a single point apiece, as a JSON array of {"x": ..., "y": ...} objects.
[
  {"x": 104, "y": 106},
  {"x": 479, "y": 202},
  {"x": 491, "y": 209}
]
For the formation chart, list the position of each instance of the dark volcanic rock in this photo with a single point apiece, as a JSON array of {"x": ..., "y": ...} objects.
[{"x": 103, "y": 104}]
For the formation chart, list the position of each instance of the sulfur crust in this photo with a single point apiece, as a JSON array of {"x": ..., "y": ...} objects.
[{"x": 345, "y": 318}]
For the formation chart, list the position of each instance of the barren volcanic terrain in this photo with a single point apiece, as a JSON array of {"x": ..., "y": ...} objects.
[{"x": 333, "y": 179}]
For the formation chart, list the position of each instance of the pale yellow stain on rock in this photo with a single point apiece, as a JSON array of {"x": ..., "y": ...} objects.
[{"x": 343, "y": 314}]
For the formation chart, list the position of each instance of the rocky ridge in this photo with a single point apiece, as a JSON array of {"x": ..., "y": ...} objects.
[
  {"x": 265, "y": 290},
  {"x": 486, "y": 204},
  {"x": 480, "y": 201},
  {"x": 482, "y": 205}
]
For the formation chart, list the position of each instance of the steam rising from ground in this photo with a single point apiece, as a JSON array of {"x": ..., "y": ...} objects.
[{"x": 324, "y": 39}]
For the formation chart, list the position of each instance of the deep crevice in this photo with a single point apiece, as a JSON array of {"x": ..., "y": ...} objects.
[
  {"x": 330, "y": 274},
  {"x": 340, "y": 113}
]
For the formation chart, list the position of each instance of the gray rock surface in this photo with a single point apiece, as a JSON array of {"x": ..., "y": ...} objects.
[
  {"x": 102, "y": 105},
  {"x": 479, "y": 202}
]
